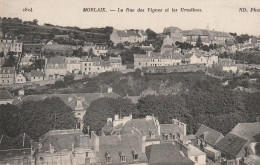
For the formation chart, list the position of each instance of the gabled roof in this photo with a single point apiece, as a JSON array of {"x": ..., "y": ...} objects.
[
  {"x": 115, "y": 145},
  {"x": 171, "y": 128},
  {"x": 5, "y": 95},
  {"x": 62, "y": 140},
  {"x": 57, "y": 60},
  {"x": 231, "y": 144},
  {"x": 7, "y": 70},
  {"x": 209, "y": 135},
  {"x": 37, "y": 73},
  {"x": 144, "y": 126},
  {"x": 166, "y": 154},
  {"x": 247, "y": 131}
]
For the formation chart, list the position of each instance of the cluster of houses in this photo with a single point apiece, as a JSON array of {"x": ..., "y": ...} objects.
[
  {"x": 125, "y": 140},
  {"x": 59, "y": 66}
]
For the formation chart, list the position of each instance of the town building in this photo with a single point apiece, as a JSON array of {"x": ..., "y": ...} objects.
[
  {"x": 100, "y": 49},
  {"x": 175, "y": 33},
  {"x": 10, "y": 44},
  {"x": 37, "y": 75},
  {"x": 148, "y": 127},
  {"x": 207, "y": 138},
  {"x": 228, "y": 65},
  {"x": 73, "y": 65},
  {"x": 116, "y": 63},
  {"x": 119, "y": 149},
  {"x": 55, "y": 68},
  {"x": 207, "y": 36},
  {"x": 20, "y": 78},
  {"x": 6, "y": 97},
  {"x": 167, "y": 153},
  {"x": 70, "y": 147},
  {"x": 152, "y": 59},
  {"x": 7, "y": 76},
  {"x": 130, "y": 36}
]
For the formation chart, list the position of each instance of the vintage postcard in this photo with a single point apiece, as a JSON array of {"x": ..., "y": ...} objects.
[{"x": 116, "y": 82}]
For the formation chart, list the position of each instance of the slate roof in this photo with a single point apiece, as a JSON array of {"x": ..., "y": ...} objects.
[
  {"x": 57, "y": 60},
  {"x": 19, "y": 142},
  {"x": 171, "y": 29},
  {"x": 7, "y": 70},
  {"x": 128, "y": 33},
  {"x": 247, "y": 131},
  {"x": 231, "y": 144},
  {"x": 166, "y": 154},
  {"x": 37, "y": 73},
  {"x": 171, "y": 128},
  {"x": 114, "y": 145},
  {"x": 5, "y": 95},
  {"x": 209, "y": 135},
  {"x": 71, "y": 99},
  {"x": 62, "y": 140},
  {"x": 145, "y": 126}
]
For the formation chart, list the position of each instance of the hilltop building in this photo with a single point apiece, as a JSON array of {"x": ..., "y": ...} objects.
[{"x": 131, "y": 36}]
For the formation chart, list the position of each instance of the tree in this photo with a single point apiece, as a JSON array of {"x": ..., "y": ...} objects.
[
  {"x": 59, "y": 84},
  {"x": 2, "y": 54},
  {"x": 35, "y": 22},
  {"x": 42, "y": 116},
  {"x": 11, "y": 61},
  {"x": 199, "y": 42},
  {"x": 205, "y": 48},
  {"x": 10, "y": 121},
  {"x": 103, "y": 108},
  {"x": 151, "y": 34},
  {"x": 38, "y": 64}
]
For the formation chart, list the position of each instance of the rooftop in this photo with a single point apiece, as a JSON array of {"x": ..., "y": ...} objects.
[
  {"x": 247, "y": 131},
  {"x": 167, "y": 153},
  {"x": 231, "y": 144},
  {"x": 5, "y": 95},
  {"x": 209, "y": 135}
]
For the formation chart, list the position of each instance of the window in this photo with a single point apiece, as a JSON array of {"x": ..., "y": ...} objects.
[
  {"x": 196, "y": 159},
  {"x": 166, "y": 137},
  {"x": 85, "y": 64},
  {"x": 135, "y": 155},
  {"x": 108, "y": 157},
  {"x": 122, "y": 156}
]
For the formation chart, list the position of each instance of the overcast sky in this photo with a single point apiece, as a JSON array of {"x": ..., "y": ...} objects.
[{"x": 221, "y": 15}]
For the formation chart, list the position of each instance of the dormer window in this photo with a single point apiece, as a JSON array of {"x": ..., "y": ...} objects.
[
  {"x": 122, "y": 156},
  {"x": 135, "y": 155},
  {"x": 108, "y": 157},
  {"x": 166, "y": 137},
  {"x": 152, "y": 135}
]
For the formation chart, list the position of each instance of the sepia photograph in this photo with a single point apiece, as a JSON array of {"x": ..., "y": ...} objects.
[{"x": 120, "y": 82}]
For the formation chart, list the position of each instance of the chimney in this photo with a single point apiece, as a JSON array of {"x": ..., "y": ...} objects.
[
  {"x": 109, "y": 120},
  {"x": 51, "y": 149},
  {"x": 87, "y": 159},
  {"x": 116, "y": 117},
  {"x": 79, "y": 105},
  {"x": 21, "y": 92},
  {"x": 95, "y": 141},
  {"x": 109, "y": 90},
  {"x": 143, "y": 142}
]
